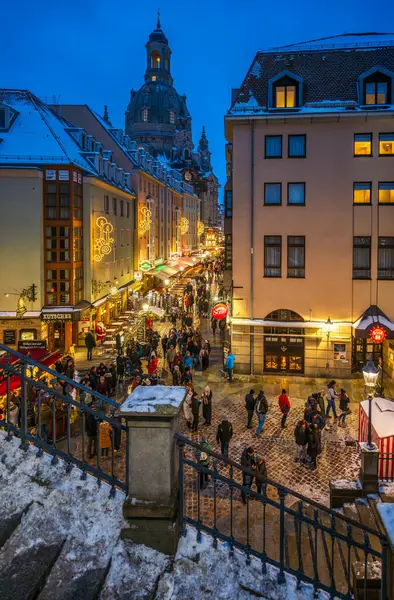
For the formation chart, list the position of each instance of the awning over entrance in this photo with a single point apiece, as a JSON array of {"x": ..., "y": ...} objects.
[{"x": 372, "y": 317}]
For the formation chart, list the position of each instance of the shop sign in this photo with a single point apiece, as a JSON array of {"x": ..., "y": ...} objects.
[
  {"x": 378, "y": 334},
  {"x": 145, "y": 265},
  {"x": 176, "y": 255},
  {"x": 9, "y": 337},
  {"x": 220, "y": 311},
  {"x": 50, "y": 174},
  {"x": 339, "y": 351},
  {"x": 52, "y": 316},
  {"x": 32, "y": 345},
  {"x": 64, "y": 175}
]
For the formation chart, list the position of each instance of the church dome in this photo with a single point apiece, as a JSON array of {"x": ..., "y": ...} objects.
[
  {"x": 158, "y": 103},
  {"x": 158, "y": 36}
]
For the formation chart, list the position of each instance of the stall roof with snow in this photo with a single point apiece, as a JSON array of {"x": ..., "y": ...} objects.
[
  {"x": 382, "y": 416},
  {"x": 159, "y": 399}
]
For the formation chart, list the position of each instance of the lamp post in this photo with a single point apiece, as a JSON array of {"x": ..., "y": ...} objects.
[
  {"x": 328, "y": 327},
  {"x": 371, "y": 375}
]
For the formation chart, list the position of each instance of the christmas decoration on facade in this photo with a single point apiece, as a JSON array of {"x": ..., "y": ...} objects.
[
  {"x": 200, "y": 228},
  {"x": 184, "y": 225},
  {"x": 378, "y": 334},
  {"x": 103, "y": 241},
  {"x": 145, "y": 220}
]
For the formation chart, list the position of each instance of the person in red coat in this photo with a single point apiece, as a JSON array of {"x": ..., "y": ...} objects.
[
  {"x": 284, "y": 405},
  {"x": 152, "y": 366}
]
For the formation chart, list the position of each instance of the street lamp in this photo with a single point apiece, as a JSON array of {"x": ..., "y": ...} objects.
[
  {"x": 145, "y": 306},
  {"x": 182, "y": 268},
  {"x": 167, "y": 282},
  {"x": 328, "y": 327},
  {"x": 371, "y": 375}
]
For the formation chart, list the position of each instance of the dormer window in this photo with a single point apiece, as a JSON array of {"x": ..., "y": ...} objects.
[
  {"x": 376, "y": 91},
  {"x": 2, "y": 118},
  {"x": 7, "y": 117},
  {"x": 285, "y": 93},
  {"x": 145, "y": 115}
]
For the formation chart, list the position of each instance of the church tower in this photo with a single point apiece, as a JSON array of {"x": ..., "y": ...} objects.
[
  {"x": 158, "y": 55},
  {"x": 205, "y": 154}
]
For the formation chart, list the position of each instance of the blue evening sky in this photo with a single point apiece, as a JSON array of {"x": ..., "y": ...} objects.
[{"x": 93, "y": 51}]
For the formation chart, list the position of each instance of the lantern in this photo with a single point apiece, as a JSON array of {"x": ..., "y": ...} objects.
[
  {"x": 220, "y": 311},
  {"x": 378, "y": 334},
  {"x": 371, "y": 374}
]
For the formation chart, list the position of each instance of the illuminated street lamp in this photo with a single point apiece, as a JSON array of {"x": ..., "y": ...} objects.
[
  {"x": 145, "y": 306},
  {"x": 328, "y": 327},
  {"x": 182, "y": 268},
  {"x": 167, "y": 282},
  {"x": 371, "y": 375}
]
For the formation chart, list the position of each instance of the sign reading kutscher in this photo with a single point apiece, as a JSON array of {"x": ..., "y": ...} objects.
[
  {"x": 56, "y": 316},
  {"x": 220, "y": 311}
]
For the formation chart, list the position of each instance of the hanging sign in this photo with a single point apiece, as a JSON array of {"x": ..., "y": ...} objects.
[
  {"x": 32, "y": 345},
  {"x": 50, "y": 174},
  {"x": 64, "y": 175},
  {"x": 378, "y": 334},
  {"x": 220, "y": 311}
]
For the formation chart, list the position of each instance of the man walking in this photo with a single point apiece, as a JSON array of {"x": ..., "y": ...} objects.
[
  {"x": 249, "y": 405},
  {"x": 284, "y": 405},
  {"x": 230, "y": 360},
  {"x": 90, "y": 343},
  {"x": 224, "y": 435},
  {"x": 261, "y": 411}
]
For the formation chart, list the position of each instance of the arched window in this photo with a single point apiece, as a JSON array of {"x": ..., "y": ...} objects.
[
  {"x": 145, "y": 115},
  {"x": 172, "y": 117},
  {"x": 186, "y": 154},
  {"x": 377, "y": 89},
  {"x": 155, "y": 60},
  {"x": 283, "y": 314}
]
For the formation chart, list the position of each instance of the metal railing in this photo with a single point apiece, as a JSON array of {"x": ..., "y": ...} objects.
[
  {"x": 49, "y": 412},
  {"x": 317, "y": 545},
  {"x": 386, "y": 466}
]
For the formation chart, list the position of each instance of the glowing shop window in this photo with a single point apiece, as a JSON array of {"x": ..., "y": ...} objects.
[
  {"x": 154, "y": 78},
  {"x": 386, "y": 144},
  {"x": 361, "y": 193},
  {"x": 386, "y": 193},
  {"x": 363, "y": 145}
]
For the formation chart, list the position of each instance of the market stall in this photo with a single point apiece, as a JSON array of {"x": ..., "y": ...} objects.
[{"x": 382, "y": 431}]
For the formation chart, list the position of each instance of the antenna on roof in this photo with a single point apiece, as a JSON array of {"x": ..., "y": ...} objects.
[
  {"x": 158, "y": 19},
  {"x": 51, "y": 100}
]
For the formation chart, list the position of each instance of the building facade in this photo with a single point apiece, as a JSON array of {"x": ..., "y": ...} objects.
[
  {"x": 157, "y": 119},
  {"x": 62, "y": 246},
  {"x": 309, "y": 201}
]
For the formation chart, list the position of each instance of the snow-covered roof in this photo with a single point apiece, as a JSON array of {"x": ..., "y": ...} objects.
[
  {"x": 343, "y": 41},
  {"x": 149, "y": 399},
  {"x": 382, "y": 416},
  {"x": 37, "y": 135}
]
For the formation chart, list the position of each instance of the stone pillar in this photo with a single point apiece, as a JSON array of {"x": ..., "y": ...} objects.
[
  {"x": 369, "y": 473},
  {"x": 152, "y": 417}
]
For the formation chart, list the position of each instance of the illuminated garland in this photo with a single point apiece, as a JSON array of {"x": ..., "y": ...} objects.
[
  {"x": 146, "y": 220},
  {"x": 104, "y": 242},
  {"x": 184, "y": 225},
  {"x": 200, "y": 227}
]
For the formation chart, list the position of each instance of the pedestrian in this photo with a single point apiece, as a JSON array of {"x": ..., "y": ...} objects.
[
  {"x": 222, "y": 327},
  {"x": 105, "y": 438},
  {"x": 250, "y": 402},
  {"x": 284, "y": 405},
  {"x": 102, "y": 386},
  {"x": 120, "y": 367},
  {"x": 204, "y": 359},
  {"x": 314, "y": 445},
  {"x": 301, "y": 440},
  {"x": 152, "y": 366},
  {"x": 195, "y": 411},
  {"x": 187, "y": 376},
  {"x": 187, "y": 407},
  {"x": 261, "y": 411},
  {"x": 230, "y": 361},
  {"x": 45, "y": 417},
  {"x": 214, "y": 325},
  {"x": 176, "y": 376},
  {"x": 247, "y": 461},
  {"x": 188, "y": 360},
  {"x": 91, "y": 431},
  {"x": 331, "y": 397},
  {"x": 224, "y": 435},
  {"x": 206, "y": 398},
  {"x": 344, "y": 406},
  {"x": 261, "y": 475},
  {"x": 90, "y": 343},
  {"x": 171, "y": 352},
  {"x": 204, "y": 459}
]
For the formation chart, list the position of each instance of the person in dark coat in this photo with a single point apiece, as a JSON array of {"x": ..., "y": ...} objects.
[
  {"x": 249, "y": 405},
  {"x": 195, "y": 411},
  {"x": 93, "y": 378},
  {"x": 224, "y": 435},
  {"x": 214, "y": 325},
  {"x": 314, "y": 445},
  {"x": 206, "y": 398},
  {"x": 90, "y": 343},
  {"x": 120, "y": 367},
  {"x": 247, "y": 460},
  {"x": 301, "y": 439},
  {"x": 102, "y": 386},
  {"x": 261, "y": 475},
  {"x": 344, "y": 406},
  {"x": 91, "y": 431},
  {"x": 176, "y": 376},
  {"x": 261, "y": 411}
]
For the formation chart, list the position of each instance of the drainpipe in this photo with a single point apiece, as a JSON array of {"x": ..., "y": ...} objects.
[{"x": 252, "y": 247}]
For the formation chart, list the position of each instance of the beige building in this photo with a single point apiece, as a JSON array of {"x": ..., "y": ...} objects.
[{"x": 309, "y": 204}]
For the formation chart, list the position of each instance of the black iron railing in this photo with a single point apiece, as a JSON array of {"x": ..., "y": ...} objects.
[
  {"x": 386, "y": 466},
  {"x": 48, "y": 412},
  {"x": 317, "y": 545}
]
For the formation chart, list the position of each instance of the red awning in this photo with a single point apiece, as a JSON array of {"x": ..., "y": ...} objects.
[{"x": 36, "y": 354}]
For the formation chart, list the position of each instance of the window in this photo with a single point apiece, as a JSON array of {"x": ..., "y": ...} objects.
[
  {"x": 121, "y": 207},
  {"x": 386, "y": 193},
  {"x": 386, "y": 144},
  {"x": 361, "y": 258},
  {"x": 172, "y": 117},
  {"x": 228, "y": 251},
  {"x": 386, "y": 258},
  {"x": 114, "y": 206},
  {"x": 363, "y": 144},
  {"x": 272, "y": 193},
  {"x": 273, "y": 146},
  {"x": 272, "y": 255},
  {"x": 285, "y": 91},
  {"x": 2, "y": 118},
  {"x": 377, "y": 89},
  {"x": 106, "y": 205},
  {"x": 228, "y": 203},
  {"x": 297, "y": 146},
  {"x": 128, "y": 210},
  {"x": 296, "y": 256},
  {"x": 296, "y": 194},
  {"x": 145, "y": 115},
  {"x": 362, "y": 192}
]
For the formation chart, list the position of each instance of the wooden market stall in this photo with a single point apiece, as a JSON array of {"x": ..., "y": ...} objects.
[{"x": 382, "y": 432}]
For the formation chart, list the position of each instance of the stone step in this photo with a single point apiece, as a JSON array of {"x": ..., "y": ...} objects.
[
  {"x": 318, "y": 545},
  {"x": 367, "y": 518},
  {"x": 335, "y": 551},
  {"x": 9, "y": 523}
]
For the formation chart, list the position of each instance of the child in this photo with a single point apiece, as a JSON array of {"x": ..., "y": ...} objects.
[{"x": 344, "y": 406}]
